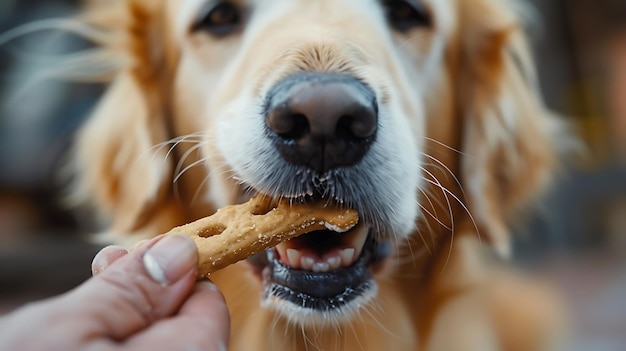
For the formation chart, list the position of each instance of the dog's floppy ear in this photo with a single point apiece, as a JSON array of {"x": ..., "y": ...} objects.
[
  {"x": 121, "y": 171},
  {"x": 508, "y": 151}
]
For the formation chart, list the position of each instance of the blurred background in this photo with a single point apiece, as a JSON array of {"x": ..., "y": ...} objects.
[{"x": 577, "y": 242}]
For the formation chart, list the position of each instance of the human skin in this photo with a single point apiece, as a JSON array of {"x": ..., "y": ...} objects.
[{"x": 146, "y": 299}]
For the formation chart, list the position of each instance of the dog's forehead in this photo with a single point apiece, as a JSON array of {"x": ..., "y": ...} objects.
[
  {"x": 324, "y": 8},
  {"x": 182, "y": 13},
  {"x": 264, "y": 10}
]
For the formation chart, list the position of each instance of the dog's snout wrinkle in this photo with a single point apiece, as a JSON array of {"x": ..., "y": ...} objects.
[{"x": 322, "y": 121}]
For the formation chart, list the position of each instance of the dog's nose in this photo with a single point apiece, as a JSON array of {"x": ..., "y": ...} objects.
[{"x": 322, "y": 121}]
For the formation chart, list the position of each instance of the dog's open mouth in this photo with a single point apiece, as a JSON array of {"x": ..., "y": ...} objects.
[{"x": 322, "y": 270}]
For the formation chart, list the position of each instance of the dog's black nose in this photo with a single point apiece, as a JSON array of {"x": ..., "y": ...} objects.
[{"x": 322, "y": 121}]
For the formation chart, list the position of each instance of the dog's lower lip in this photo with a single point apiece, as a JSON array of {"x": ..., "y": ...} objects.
[
  {"x": 315, "y": 285},
  {"x": 320, "y": 291}
]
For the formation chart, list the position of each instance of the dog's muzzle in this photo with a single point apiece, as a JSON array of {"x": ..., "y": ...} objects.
[{"x": 322, "y": 124}]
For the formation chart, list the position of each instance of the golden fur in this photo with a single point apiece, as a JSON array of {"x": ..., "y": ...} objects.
[{"x": 485, "y": 141}]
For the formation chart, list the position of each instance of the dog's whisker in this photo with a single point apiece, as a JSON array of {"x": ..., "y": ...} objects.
[
  {"x": 424, "y": 209},
  {"x": 154, "y": 150},
  {"x": 199, "y": 190},
  {"x": 446, "y": 146},
  {"x": 376, "y": 306},
  {"x": 73, "y": 26},
  {"x": 188, "y": 167},
  {"x": 157, "y": 148},
  {"x": 354, "y": 333},
  {"x": 396, "y": 243},
  {"x": 178, "y": 139},
  {"x": 183, "y": 159},
  {"x": 410, "y": 259},
  {"x": 409, "y": 255},
  {"x": 273, "y": 325},
  {"x": 338, "y": 337},
  {"x": 437, "y": 204},
  {"x": 419, "y": 233},
  {"x": 305, "y": 338},
  {"x": 177, "y": 173},
  {"x": 406, "y": 245},
  {"x": 448, "y": 170},
  {"x": 433, "y": 214},
  {"x": 184, "y": 139},
  {"x": 173, "y": 145},
  {"x": 294, "y": 336},
  {"x": 376, "y": 320},
  {"x": 425, "y": 220},
  {"x": 445, "y": 192},
  {"x": 465, "y": 208},
  {"x": 430, "y": 202},
  {"x": 207, "y": 177}
]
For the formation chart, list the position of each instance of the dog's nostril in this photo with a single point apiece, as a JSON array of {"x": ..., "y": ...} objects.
[
  {"x": 299, "y": 128},
  {"x": 322, "y": 121},
  {"x": 288, "y": 125},
  {"x": 362, "y": 125}
]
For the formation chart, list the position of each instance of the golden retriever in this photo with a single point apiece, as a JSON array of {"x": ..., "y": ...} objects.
[{"x": 423, "y": 115}]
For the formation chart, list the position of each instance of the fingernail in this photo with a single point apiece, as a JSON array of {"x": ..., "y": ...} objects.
[
  {"x": 99, "y": 263},
  {"x": 104, "y": 257},
  {"x": 170, "y": 258}
]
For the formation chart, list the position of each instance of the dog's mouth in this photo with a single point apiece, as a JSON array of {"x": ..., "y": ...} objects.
[{"x": 322, "y": 270}]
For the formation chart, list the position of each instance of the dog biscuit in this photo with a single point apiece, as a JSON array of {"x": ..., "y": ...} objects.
[{"x": 236, "y": 232}]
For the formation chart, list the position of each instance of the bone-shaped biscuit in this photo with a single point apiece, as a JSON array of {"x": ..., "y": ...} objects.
[{"x": 237, "y": 232}]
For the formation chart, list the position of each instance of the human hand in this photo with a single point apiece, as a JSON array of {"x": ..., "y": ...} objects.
[{"x": 143, "y": 300}]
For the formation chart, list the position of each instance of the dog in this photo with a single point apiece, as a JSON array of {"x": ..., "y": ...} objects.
[{"x": 422, "y": 115}]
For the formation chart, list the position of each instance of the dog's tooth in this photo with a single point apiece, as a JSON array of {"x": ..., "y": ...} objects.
[
  {"x": 294, "y": 257},
  {"x": 358, "y": 240},
  {"x": 320, "y": 267},
  {"x": 347, "y": 256},
  {"x": 306, "y": 263},
  {"x": 281, "y": 251},
  {"x": 333, "y": 262}
]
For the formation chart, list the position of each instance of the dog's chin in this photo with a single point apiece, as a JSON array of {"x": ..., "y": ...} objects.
[{"x": 321, "y": 276}]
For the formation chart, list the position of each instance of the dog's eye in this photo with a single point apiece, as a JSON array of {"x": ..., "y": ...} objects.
[
  {"x": 407, "y": 14},
  {"x": 220, "y": 19}
]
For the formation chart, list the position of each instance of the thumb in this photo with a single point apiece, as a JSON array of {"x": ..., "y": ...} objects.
[{"x": 146, "y": 285}]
